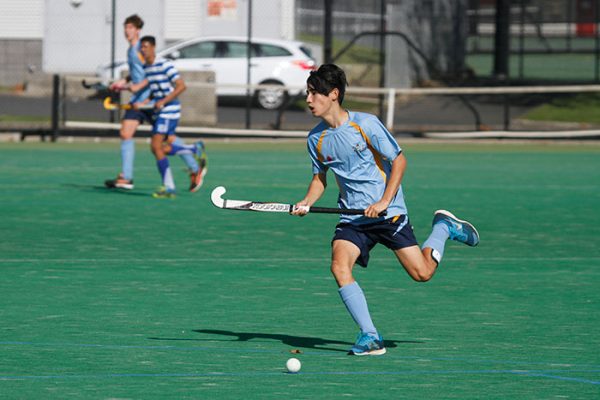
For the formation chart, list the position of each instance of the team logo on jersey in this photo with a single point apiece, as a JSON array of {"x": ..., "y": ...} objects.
[{"x": 360, "y": 147}]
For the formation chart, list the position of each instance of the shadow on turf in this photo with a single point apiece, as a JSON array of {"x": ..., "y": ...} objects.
[
  {"x": 104, "y": 189},
  {"x": 293, "y": 341}
]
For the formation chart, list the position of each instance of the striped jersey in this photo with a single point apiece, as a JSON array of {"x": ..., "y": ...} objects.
[
  {"x": 135, "y": 61},
  {"x": 360, "y": 155},
  {"x": 161, "y": 77}
]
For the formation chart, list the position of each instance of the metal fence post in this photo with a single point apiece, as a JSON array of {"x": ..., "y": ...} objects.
[
  {"x": 391, "y": 106},
  {"x": 55, "y": 105}
]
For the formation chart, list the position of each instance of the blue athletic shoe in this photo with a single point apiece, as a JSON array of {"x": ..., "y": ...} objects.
[
  {"x": 164, "y": 193},
  {"x": 368, "y": 345},
  {"x": 461, "y": 231}
]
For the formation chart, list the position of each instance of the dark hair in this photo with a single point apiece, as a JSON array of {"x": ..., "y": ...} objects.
[
  {"x": 135, "y": 20},
  {"x": 149, "y": 39},
  {"x": 327, "y": 78}
]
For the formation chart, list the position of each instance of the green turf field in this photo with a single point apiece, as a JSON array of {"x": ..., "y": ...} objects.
[{"x": 106, "y": 294}]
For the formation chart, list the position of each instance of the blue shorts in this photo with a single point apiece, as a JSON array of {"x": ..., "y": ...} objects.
[
  {"x": 394, "y": 233},
  {"x": 164, "y": 126},
  {"x": 140, "y": 115}
]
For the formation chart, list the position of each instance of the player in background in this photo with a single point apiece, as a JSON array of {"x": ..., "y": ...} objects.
[
  {"x": 133, "y": 118},
  {"x": 368, "y": 166},
  {"x": 165, "y": 86}
]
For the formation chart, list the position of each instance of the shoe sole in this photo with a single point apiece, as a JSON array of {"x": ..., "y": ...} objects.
[
  {"x": 379, "y": 352},
  {"x": 195, "y": 188},
  {"x": 126, "y": 186},
  {"x": 462, "y": 221}
]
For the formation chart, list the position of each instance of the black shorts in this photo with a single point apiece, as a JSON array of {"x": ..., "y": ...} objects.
[
  {"x": 140, "y": 115},
  {"x": 394, "y": 233}
]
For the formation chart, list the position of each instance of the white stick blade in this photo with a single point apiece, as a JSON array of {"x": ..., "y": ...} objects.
[{"x": 217, "y": 196}]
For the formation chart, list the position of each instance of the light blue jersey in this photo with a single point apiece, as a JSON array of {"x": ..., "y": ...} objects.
[
  {"x": 136, "y": 72},
  {"x": 161, "y": 77},
  {"x": 360, "y": 154}
]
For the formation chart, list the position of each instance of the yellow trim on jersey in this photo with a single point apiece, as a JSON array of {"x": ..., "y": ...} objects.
[
  {"x": 320, "y": 145},
  {"x": 141, "y": 57},
  {"x": 376, "y": 155}
]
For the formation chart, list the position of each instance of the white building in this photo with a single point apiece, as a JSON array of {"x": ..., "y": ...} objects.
[{"x": 76, "y": 35}]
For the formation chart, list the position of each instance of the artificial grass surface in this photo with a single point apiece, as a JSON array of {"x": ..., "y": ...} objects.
[{"x": 108, "y": 294}]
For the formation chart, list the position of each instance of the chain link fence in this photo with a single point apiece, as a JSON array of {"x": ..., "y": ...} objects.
[
  {"x": 380, "y": 43},
  {"x": 550, "y": 40}
]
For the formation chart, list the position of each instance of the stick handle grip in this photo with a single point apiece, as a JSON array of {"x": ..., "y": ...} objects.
[{"x": 350, "y": 211}]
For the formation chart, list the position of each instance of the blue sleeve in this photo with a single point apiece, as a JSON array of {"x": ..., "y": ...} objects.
[
  {"x": 136, "y": 67},
  {"x": 137, "y": 73},
  {"x": 317, "y": 166},
  {"x": 381, "y": 139},
  {"x": 171, "y": 71}
]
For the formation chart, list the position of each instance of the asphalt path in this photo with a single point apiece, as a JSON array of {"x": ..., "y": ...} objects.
[{"x": 424, "y": 113}]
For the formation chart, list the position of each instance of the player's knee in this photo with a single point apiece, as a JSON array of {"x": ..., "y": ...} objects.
[
  {"x": 155, "y": 146},
  {"x": 338, "y": 270},
  {"x": 126, "y": 135},
  {"x": 421, "y": 273}
]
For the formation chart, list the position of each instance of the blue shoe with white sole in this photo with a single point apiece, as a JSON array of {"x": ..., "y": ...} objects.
[
  {"x": 461, "y": 231},
  {"x": 368, "y": 345}
]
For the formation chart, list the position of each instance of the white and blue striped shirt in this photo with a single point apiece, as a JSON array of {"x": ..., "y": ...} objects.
[{"x": 161, "y": 77}]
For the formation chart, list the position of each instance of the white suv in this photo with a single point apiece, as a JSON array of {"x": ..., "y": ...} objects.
[{"x": 273, "y": 62}]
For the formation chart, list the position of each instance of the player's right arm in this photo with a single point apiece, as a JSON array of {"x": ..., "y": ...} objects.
[
  {"x": 316, "y": 188},
  {"x": 136, "y": 87},
  {"x": 119, "y": 85}
]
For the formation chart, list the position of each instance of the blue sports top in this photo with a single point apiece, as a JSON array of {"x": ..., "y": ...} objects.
[
  {"x": 136, "y": 72},
  {"x": 161, "y": 77},
  {"x": 360, "y": 154}
]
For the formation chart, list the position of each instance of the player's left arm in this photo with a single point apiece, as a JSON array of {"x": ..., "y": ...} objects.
[
  {"x": 385, "y": 145},
  {"x": 393, "y": 184},
  {"x": 179, "y": 88}
]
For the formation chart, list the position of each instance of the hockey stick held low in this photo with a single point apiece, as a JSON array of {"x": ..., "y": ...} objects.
[
  {"x": 109, "y": 105},
  {"x": 242, "y": 205}
]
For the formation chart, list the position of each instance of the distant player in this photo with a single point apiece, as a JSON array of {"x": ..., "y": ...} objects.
[
  {"x": 133, "y": 118},
  {"x": 165, "y": 86},
  {"x": 368, "y": 166}
]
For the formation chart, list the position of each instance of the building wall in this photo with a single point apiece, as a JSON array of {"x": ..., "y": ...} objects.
[
  {"x": 22, "y": 19},
  {"x": 21, "y": 31},
  {"x": 22, "y": 28}
]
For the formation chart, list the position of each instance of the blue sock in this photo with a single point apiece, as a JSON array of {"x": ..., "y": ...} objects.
[
  {"x": 165, "y": 174},
  {"x": 356, "y": 303},
  {"x": 186, "y": 152},
  {"x": 437, "y": 240},
  {"x": 127, "y": 156}
]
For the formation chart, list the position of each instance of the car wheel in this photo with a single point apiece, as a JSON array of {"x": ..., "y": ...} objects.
[{"x": 271, "y": 99}]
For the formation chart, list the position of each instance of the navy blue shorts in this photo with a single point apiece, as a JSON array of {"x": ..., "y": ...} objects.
[
  {"x": 140, "y": 115},
  {"x": 394, "y": 233}
]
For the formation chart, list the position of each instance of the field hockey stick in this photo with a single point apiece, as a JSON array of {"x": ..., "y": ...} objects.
[
  {"x": 96, "y": 86},
  {"x": 241, "y": 205},
  {"x": 109, "y": 105}
]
